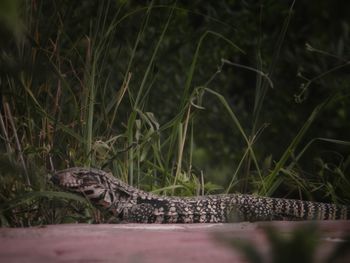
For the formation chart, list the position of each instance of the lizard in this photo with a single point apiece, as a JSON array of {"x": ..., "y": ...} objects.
[{"x": 132, "y": 205}]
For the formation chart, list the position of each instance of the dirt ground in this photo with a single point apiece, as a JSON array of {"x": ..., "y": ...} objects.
[{"x": 139, "y": 243}]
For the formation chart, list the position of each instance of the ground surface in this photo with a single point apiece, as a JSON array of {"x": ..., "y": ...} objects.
[{"x": 138, "y": 243}]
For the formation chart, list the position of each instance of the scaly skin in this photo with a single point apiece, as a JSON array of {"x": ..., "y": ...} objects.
[{"x": 132, "y": 205}]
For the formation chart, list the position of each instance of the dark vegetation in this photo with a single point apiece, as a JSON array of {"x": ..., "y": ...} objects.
[{"x": 179, "y": 98}]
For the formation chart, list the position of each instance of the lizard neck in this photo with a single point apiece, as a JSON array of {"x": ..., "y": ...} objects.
[{"x": 118, "y": 197}]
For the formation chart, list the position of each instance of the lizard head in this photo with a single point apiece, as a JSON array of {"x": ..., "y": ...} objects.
[
  {"x": 88, "y": 182},
  {"x": 99, "y": 187}
]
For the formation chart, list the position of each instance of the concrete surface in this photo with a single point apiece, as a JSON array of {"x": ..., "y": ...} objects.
[{"x": 139, "y": 243}]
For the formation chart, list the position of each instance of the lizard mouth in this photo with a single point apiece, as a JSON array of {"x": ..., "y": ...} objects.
[{"x": 68, "y": 182}]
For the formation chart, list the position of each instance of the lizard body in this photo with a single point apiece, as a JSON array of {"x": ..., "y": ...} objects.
[{"x": 130, "y": 204}]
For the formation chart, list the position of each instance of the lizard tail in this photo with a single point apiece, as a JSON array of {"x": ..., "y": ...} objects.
[{"x": 307, "y": 210}]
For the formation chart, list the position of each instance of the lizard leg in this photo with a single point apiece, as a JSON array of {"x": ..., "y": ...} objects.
[
  {"x": 141, "y": 213},
  {"x": 260, "y": 211}
]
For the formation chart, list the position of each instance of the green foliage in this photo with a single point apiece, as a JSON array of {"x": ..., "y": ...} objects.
[
  {"x": 10, "y": 17},
  {"x": 181, "y": 98}
]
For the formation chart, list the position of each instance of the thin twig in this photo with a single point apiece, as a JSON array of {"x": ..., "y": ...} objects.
[
  {"x": 19, "y": 148},
  {"x": 7, "y": 140}
]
